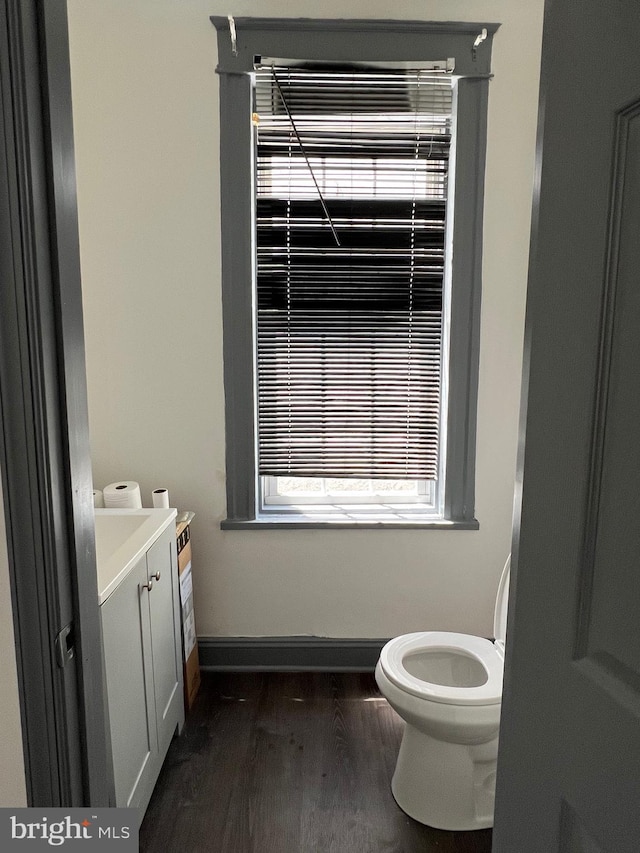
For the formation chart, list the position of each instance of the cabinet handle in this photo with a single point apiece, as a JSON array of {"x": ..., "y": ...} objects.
[{"x": 149, "y": 584}]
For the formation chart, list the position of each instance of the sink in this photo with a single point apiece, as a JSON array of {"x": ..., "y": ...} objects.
[{"x": 122, "y": 537}]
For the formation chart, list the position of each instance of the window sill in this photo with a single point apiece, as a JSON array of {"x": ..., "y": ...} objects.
[{"x": 306, "y": 523}]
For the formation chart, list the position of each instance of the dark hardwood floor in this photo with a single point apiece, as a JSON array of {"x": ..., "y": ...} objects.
[{"x": 288, "y": 763}]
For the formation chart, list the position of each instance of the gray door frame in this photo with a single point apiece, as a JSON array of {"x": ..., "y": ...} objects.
[{"x": 44, "y": 435}]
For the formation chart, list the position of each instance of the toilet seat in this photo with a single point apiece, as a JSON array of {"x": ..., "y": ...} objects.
[{"x": 484, "y": 651}]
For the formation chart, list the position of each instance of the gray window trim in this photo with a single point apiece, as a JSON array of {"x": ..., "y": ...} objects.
[
  {"x": 350, "y": 41},
  {"x": 466, "y": 290},
  {"x": 305, "y": 523}
]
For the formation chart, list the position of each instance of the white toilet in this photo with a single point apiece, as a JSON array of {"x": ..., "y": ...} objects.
[{"x": 448, "y": 689}]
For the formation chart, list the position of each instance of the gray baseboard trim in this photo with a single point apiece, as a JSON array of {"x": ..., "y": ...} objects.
[{"x": 288, "y": 654}]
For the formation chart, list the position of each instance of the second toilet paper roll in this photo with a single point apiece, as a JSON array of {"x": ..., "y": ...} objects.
[
  {"x": 122, "y": 495},
  {"x": 160, "y": 498}
]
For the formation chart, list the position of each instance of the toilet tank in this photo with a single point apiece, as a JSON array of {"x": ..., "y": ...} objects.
[{"x": 502, "y": 603}]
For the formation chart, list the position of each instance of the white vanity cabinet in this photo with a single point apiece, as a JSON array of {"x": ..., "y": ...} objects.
[{"x": 143, "y": 666}]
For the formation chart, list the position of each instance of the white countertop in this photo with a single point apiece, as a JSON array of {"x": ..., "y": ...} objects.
[{"x": 122, "y": 537}]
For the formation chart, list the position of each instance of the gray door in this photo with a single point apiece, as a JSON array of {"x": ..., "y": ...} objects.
[
  {"x": 569, "y": 760},
  {"x": 44, "y": 446}
]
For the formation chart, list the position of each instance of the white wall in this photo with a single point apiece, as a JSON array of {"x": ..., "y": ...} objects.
[
  {"x": 146, "y": 121},
  {"x": 12, "y": 782}
]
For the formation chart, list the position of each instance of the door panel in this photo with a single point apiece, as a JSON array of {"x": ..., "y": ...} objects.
[
  {"x": 574, "y": 837},
  {"x": 569, "y": 758},
  {"x": 127, "y": 652},
  {"x": 613, "y": 606},
  {"x": 161, "y": 562}
]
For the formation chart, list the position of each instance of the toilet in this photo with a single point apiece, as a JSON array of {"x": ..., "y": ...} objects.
[{"x": 447, "y": 688}]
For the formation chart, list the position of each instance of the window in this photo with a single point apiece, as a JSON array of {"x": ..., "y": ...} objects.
[
  {"x": 351, "y": 194},
  {"x": 351, "y": 205}
]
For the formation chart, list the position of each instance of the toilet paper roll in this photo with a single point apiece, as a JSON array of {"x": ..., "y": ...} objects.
[
  {"x": 122, "y": 495},
  {"x": 98, "y": 499},
  {"x": 160, "y": 498}
]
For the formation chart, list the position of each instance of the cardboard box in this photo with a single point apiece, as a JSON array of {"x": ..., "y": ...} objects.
[{"x": 191, "y": 664}]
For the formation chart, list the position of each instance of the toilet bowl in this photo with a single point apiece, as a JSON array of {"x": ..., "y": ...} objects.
[{"x": 447, "y": 688}]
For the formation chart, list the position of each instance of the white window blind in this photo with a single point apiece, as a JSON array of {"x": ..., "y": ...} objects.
[{"x": 351, "y": 193}]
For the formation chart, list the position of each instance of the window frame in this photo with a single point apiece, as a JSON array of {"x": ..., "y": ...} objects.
[
  {"x": 269, "y": 500},
  {"x": 351, "y": 40}
]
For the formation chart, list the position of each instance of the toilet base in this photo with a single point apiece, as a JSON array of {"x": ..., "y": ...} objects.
[{"x": 445, "y": 785}]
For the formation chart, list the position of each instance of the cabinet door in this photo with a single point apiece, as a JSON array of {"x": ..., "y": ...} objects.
[
  {"x": 127, "y": 652},
  {"x": 165, "y": 627}
]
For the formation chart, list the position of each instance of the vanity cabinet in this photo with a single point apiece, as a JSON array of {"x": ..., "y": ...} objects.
[{"x": 143, "y": 670}]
